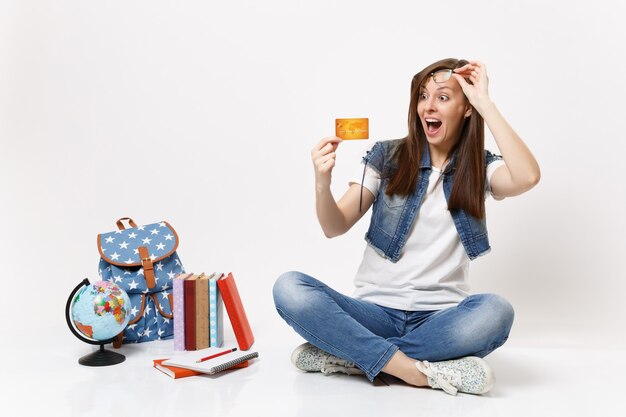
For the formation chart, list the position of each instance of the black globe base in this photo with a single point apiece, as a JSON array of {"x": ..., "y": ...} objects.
[{"x": 102, "y": 357}]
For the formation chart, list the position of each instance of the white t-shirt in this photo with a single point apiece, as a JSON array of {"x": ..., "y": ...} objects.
[{"x": 432, "y": 272}]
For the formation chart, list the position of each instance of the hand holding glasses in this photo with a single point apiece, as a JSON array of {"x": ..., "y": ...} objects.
[{"x": 472, "y": 78}]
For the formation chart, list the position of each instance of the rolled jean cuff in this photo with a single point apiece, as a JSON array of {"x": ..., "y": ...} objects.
[{"x": 378, "y": 366}]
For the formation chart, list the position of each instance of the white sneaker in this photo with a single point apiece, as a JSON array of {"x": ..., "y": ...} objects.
[
  {"x": 470, "y": 374},
  {"x": 309, "y": 358}
]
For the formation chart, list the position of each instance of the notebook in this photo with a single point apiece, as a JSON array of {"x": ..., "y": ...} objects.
[
  {"x": 179, "y": 311},
  {"x": 202, "y": 312},
  {"x": 211, "y": 366},
  {"x": 190, "y": 312},
  {"x": 175, "y": 372},
  {"x": 216, "y": 321}
]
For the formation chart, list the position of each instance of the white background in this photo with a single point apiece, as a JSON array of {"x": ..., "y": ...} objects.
[{"x": 204, "y": 114}]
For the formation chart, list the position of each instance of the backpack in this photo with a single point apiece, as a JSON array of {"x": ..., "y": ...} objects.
[{"x": 143, "y": 261}]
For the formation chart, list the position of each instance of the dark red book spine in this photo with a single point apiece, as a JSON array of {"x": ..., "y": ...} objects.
[
  {"x": 190, "y": 314},
  {"x": 236, "y": 312}
]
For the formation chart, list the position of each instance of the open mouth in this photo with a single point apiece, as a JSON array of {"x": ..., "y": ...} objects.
[{"x": 433, "y": 126}]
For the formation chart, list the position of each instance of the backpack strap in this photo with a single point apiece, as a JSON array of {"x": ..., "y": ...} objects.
[
  {"x": 148, "y": 268},
  {"x": 117, "y": 342},
  {"x": 120, "y": 224}
]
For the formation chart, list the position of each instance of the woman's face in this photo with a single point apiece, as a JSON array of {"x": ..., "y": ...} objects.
[{"x": 442, "y": 108}]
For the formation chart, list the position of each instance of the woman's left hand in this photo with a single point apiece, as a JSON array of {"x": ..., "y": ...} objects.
[{"x": 477, "y": 92}]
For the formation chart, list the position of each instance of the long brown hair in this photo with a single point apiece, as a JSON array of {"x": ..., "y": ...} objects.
[{"x": 468, "y": 188}]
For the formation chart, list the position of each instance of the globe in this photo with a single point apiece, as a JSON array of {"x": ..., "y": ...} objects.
[
  {"x": 100, "y": 310},
  {"x": 96, "y": 313}
]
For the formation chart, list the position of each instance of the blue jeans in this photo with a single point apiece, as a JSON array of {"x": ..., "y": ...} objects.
[{"x": 369, "y": 335}]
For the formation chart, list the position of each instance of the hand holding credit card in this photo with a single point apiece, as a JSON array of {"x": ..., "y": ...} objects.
[{"x": 348, "y": 129}]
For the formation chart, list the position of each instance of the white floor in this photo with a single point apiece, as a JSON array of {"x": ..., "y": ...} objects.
[{"x": 531, "y": 381}]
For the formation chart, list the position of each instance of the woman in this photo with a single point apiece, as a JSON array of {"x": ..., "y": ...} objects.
[{"x": 411, "y": 315}]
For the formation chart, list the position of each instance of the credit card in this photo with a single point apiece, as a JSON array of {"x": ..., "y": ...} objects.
[{"x": 352, "y": 128}]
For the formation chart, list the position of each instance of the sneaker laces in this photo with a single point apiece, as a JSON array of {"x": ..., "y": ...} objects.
[{"x": 448, "y": 381}]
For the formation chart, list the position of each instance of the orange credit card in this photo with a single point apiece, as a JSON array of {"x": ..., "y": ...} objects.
[{"x": 352, "y": 128}]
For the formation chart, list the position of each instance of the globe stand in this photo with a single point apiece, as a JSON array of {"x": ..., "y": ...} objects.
[{"x": 101, "y": 357}]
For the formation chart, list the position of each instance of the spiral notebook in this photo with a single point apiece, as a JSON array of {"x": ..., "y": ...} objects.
[{"x": 211, "y": 366}]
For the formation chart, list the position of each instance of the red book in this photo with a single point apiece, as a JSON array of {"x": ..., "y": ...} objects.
[
  {"x": 173, "y": 371},
  {"x": 190, "y": 312},
  {"x": 236, "y": 312}
]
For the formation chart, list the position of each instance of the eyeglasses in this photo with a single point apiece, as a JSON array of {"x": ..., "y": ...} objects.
[{"x": 441, "y": 76}]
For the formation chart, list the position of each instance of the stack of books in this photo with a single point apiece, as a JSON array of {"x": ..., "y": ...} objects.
[
  {"x": 199, "y": 302},
  {"x": 198, "y": 312}
]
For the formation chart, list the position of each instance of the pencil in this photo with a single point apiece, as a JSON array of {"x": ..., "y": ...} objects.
[{"x": 216, "y": 355}]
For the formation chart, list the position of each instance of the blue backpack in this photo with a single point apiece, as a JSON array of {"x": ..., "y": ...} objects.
[{"x": 142, "y": 260}]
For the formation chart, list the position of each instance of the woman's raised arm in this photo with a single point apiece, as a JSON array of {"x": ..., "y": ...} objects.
[
  {"x": 336, "y": 218},
  {"x": 521, "y": 171}
]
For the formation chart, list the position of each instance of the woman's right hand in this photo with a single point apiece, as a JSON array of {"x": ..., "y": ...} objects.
[{"x": 323, "y": 156}]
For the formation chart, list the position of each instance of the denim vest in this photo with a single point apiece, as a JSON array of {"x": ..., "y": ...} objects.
[{"x": 393, "y": 216}]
